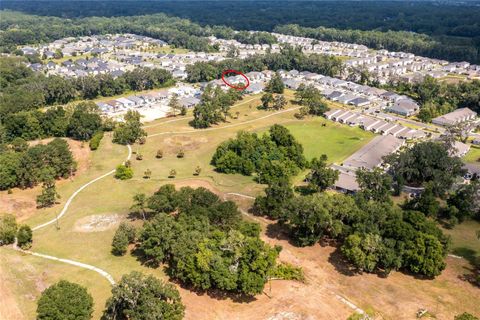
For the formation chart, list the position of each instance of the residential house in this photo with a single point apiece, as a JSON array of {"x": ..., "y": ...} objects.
[
  {"x": 404, "y": 107},
  {"x": 455, "y": 117},
  {"x": 359, "y": 102},
  {"x": 371, "y": 155}
]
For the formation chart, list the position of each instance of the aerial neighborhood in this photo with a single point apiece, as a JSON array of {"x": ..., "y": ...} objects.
[
  {"x": 373, "y": 109},
  {"x": 159, "y": 161}
]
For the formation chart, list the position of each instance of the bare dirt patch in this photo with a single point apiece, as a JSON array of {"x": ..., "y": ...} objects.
[
  {"x": 97, "y": 223},
  {"x": 183, "y": 142},
  {"x": 9, "y": 306},
  {"x": 197, "y": 183}
]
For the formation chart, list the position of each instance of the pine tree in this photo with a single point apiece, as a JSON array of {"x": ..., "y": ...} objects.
[
  {"x": 48, "y": 196},
  {"x": 174, "y": 104}
]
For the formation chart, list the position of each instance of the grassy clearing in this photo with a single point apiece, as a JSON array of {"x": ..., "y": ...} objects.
[
  {"x": 473, "y": 156},
  {"x": 335, "y": 140},
  {"x": 464, "y": 240}
]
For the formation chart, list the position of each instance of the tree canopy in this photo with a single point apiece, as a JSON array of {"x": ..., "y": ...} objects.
[
  {"x": 65, "y": 301},
  {"x": 142, "y": 297},
  {"x": 274, "y": 155}
]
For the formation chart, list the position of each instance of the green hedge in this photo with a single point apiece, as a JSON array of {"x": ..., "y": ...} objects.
[{"x": 95, "y": 141}]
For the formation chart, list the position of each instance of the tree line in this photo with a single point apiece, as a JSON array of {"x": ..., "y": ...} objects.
[
  {"x": 288, "y": 58},
  {"x": 446, "y": 31},
  {"x": 23, "y": 166},
  {"x": 80, "y": 122},
  {"x": 374, "y": 234},
  {"x": 437, "y": 98}
]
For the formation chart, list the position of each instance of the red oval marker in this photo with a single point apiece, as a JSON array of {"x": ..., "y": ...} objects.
[{"x": 236, "y": 72}]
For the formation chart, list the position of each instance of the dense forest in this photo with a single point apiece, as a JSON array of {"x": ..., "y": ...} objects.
[
  {"x": 447, "y": 31},
  {"x": 444, "y": 31}
]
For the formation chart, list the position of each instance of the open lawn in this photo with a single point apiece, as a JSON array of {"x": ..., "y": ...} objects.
[
  {"x": 80, "y": 239},
  {"x": 473, "y": 156},
  {"x": 337, "y": 141},
  {"x": 464, "y": 240}
]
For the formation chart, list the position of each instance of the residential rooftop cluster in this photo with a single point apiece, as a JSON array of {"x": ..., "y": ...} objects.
[
  {"x": 111, "y": 54},
  {"x": 122, "y": 52}
]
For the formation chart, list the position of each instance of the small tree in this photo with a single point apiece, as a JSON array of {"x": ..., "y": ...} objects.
[
  {"x": 198, "y": 170},
  {"x": 128, "y": 163},
  {"x": 48, "y": 196},
  {"x": 183, "y": 111},
  {"x": 147, "y": 174},
  {"x": 173, "y": 173},
  {"x": 123, "y": 172},
  {"x": 181, "y": 154},
  {"x": 142, "y": 140},
  {"x": 24, "y": 237},
  {"x": 321, "y": 177},
  {"x": 266, "y": 99},
  {"x": 174, "y": 104},
  {"x": 139, "y": 204},
  {"x": 279, "y": 102},
  {"x": 65, "y": 300},
  {"x": 124, "y": 235},
  {"x": 275, "y": 85},
  {"x": 159, "y": 154},
  {"x": 143, "y": 297},
  {"x": 139, "y": 156},
  {"x": 8, "y": 229}
]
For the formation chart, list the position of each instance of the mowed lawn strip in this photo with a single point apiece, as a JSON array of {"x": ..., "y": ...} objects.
[
  {"x": 335, "y": 140},
  {"x": 473, "y": 155}
]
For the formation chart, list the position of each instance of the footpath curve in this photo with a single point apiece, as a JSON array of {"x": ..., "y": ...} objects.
[
  {"x": 70, "y": 199},
  {"x": 102, "y": 272},
  {"x": 224, "y": 127}
]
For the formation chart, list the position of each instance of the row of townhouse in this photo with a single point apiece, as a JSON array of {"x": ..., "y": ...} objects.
[
  {"x": 368, "y": 157},
  {"x": 97, "y": 44},
  {"x": 188, "y": 97},
  {"x": 372, "y": 124}
]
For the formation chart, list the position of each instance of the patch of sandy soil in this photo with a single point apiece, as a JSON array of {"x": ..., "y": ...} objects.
[
  {"x": 283, "y": 300},
  {"x": 27, "y": 279},
  {"x": 9, "y": 308},
  {"x": 21, "y": 203},
  {"x": 97, "y": 223},
  {"x": 197, "y": 183},
  {"x": 176, "y": 143}
]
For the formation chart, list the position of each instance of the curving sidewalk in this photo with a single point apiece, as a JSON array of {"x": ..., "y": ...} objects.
[
  {"x": 70, "y": 199},
  {"x": 102, "y": 272}
]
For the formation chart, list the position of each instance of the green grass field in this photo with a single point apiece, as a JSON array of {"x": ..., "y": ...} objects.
[
  {"x": 337, "y": 141},
  {"x": 473, "y": 156},
  {"x": 464, "y": 240}
]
